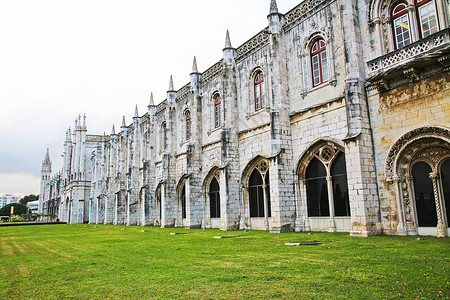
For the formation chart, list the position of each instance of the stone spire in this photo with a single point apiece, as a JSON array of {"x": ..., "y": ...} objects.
[
  {"x": 194, "y": 66},
  {"x": 151, "y": 103},
  {"x": 276, "y": 19},
  {"x": 171, "y": 89},
  {"x": 171, "y": 93},
  {"x": 47, "y": 158},
  {"x": 195, "y": 77},
  {"x": 84, "y": 120},
  {"x": 136, "y": 113},
  {"x": 273, "y": 7},
  {"x": 68, "y": 135},
  {"x": 123, "y": 122},
  {"x": 228, "y": 52},
  {"x": 228, "y": 41},
  {"x": 113, "y": 131},
  {"x": 47, "y": 164}
]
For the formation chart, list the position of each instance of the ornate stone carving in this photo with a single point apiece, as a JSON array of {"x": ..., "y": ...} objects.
[
  {"x": 252, "y": 45},
  {"x": 212, "y": 72},
  {"x": 432, "y": 154},
  {"x": 437, "y": 132},
  {"x": 293, "y": 17}
]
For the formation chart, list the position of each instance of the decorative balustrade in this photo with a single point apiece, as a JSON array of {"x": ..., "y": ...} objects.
[{"x": 418, "y": 49}]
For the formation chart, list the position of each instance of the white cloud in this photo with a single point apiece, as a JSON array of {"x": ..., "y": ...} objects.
[{"x": 19, "y": 184}]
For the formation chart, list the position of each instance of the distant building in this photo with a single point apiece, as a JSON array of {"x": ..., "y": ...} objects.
[
  {"x": 8, "y": 199},
  {"x": 33, "y": 206}
]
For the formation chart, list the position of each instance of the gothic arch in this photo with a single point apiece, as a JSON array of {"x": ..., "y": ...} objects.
[
  {"x": 256, "y": 162},
  {"x": 312, "y": 38},
  {"x": 214, "y": 172},
  {"x": 308, "y": 154},
  {"x": 322, "y": 188},
  {"x": 181, "y": 198}
]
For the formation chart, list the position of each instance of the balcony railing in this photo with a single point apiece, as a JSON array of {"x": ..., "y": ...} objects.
[{"x": 409, "y": 53}]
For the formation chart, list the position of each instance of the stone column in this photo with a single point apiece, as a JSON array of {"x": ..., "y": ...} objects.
[
  {"x": 332, "y": 226},
  {"x": 401, "y": 228},
  {"x": 266, "y": 206},
  {"x": 441, "y": 230}
]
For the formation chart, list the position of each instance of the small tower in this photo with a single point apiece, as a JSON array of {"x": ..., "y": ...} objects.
[
  {"x": 195, "y": 77},
  {"x": 276, "y": 19},
  {"x": 229, "y": 52},
  {"x": 46, "y": 173},
  {"x": 46, "y": 166},
  {"x": 171, "y": 93}
]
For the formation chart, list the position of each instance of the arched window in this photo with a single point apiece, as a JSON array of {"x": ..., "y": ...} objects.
[
  {"x": 164, "y": 142},
  {"x": 214, "y": 198},
  {"x": 316, "y": 189},
  {"x": 340, "y": 188},
  {"x": 426, "y": 13},
  {"x": 401, "y": 25},
  {"x": 319, "y": 62},
  {"x": 259, "y": 91},
  {"x": 187, "y": 116},
  {"x": 217, "y": 107},
  {"x": 259, "y": 191},
  {"x": 326, "y": 176},
  {"x": 424, "y": 195}
]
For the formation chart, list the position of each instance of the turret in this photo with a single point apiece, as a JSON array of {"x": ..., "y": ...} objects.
[
  {"x": 46, "y": 165},
  {"x": 228, "y": 52},
  {"x": 151, "y": 107},
  {"x": 195, "y": 78},
  {"x": 171, "y": 93},
  {"x": 276, "y": 19}
]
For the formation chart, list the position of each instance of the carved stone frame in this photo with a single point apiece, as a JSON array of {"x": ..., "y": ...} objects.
[{"x": 420, "y": 144}]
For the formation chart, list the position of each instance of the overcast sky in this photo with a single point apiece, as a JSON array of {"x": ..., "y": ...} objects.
[{"x": 61, "y": 58}]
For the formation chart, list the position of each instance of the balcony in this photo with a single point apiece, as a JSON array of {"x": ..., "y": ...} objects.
[{"x": 410, "y": 59}]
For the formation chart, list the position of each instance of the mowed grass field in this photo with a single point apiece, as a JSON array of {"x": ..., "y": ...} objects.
[{"x": 120, "y": 262}]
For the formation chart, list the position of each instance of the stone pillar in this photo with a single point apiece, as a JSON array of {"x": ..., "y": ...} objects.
[
  {"x": 332, "y": 226},
  {"x": 441, "y": 230}
]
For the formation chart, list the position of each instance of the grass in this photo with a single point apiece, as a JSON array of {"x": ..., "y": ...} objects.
[{"x": 117, "y": 262}]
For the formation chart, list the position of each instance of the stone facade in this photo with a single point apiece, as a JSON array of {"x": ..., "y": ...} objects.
[{"x": 315, "y": 123}]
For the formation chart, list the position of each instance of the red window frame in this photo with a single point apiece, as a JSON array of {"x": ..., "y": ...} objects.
[
  {"x": 418, "y": 4},
  {"x": 259, "y": 88},
  {"x": 397, "y": 13},
  {"x": 188, "y": 125},
  {"x": 217, "y": 106},
  {"x": 318, "y": 49}
]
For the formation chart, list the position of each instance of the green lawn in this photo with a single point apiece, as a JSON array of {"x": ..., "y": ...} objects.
[{"x": 106, "y": 261}]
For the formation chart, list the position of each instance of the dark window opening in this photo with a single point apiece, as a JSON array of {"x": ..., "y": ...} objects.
[
  {"x": 214, "y": 198},
  {"x": 445, "y": 181},
  {"x": 256, "y": 195},
  {"x": 340, "y": 187},
  {"x": 424, "y": 195},
  {"x": 316, "y": 189}
]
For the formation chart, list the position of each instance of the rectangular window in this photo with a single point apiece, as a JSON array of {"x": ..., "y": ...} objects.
[
  {"x": 402, "y": 35},
  {"x": 316, "y": 69},
  {"x": 258, "y": 99},
  {"x": 428, "y": 20},
  {"x": 324, "y": 66}
]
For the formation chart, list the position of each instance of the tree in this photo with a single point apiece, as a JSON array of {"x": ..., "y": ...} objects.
[
  {"x": 29, "y": 198},
  {"x": 19, "y": 209}
]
